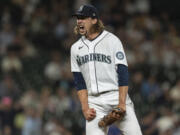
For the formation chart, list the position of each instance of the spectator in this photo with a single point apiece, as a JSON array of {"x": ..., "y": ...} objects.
[
  {"x": 6, "y": 37},
  {"x": 30, "y": 97},
  {"x": 28, "y": 50},
  {"x": 150, "y": 89},
  {"x": 8, "y": 87},
  {"x": 60, "y": 30},
  {"x": 166, "y": 122},
  {"x": 175, "y": 92},
  {"x": 32, "y": 123},
  {"x": 11, "y": 62},
  {"x": 8, "y": 111},
  {"x": 53, "y": 69},
  {"x": 175, "y": 95},
  {"x": 63, "y": 101},
  {"x": 148, "y": 126},
  {"x": 53, "y": 127}
]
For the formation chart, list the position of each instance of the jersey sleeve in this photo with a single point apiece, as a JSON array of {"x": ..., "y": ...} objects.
[
  {"x": 123, "y": 75},
  {"x": 119, "y": 53},
  {"x": 79, "y": 81},
  {"x": 74, "y": 64}
]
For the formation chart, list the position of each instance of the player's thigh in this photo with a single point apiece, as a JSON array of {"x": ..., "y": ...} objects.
[
  {"x": 130, "y": 125},
  {"x": 92, "y": 128}
]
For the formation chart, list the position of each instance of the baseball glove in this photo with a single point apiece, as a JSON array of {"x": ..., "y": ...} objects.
[{"x": 114, "y": 115}]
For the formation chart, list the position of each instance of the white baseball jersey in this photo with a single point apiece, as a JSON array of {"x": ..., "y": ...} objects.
[{"x": 97, "y": 60}]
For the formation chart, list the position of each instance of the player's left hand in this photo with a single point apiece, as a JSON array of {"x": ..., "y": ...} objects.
[{"x": 122, "y": 107}]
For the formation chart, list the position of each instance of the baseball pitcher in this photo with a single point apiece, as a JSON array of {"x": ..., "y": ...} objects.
[{"x": 100, "y": 70}]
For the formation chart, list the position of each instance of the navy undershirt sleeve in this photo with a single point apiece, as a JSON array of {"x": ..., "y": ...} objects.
[
  {"x": 79, "y": 81},
  {"x": 123, "y": 75}
]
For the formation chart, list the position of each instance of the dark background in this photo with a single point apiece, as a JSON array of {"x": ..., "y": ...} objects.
[{"x": 37, "y": 94}]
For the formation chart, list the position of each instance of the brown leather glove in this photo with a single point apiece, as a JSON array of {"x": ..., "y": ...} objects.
[{"x": 115, "y": 115}]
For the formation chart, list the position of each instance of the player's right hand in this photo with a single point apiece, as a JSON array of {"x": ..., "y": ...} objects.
[{"x": 89, "y": 114}]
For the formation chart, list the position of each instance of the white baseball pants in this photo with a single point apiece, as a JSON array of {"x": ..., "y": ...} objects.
[{"x": 103, "y": 104}]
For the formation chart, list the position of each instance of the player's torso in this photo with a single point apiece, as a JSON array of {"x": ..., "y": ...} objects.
[{"x": 96, "y": 61}]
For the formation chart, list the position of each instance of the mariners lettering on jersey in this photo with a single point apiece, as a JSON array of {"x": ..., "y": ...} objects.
[{"x": 93, "y": 57}]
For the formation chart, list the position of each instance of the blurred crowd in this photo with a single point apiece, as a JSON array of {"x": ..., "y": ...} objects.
[{"x": 37, "y": 94}]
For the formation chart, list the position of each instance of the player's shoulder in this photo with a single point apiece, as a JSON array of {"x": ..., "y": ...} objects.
[
  {"x": 76, "y": 44},
  {"x": 111, "y": 35},
  {"x": 114, "y": 39}
]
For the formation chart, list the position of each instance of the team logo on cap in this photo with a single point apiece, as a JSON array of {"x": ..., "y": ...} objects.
[
  {"x": 81, "y": 8},
  {"x": 120, "y": 55}
]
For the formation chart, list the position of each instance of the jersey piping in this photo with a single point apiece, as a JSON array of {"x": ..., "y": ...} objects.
[
  {"x": 85, "y": 43},
  {"x": 88, "y": 51},
  {"x": 95, "y": 61}
]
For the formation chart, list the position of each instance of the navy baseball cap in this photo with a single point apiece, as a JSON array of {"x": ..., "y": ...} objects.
[{"x": 87, "y": 11}]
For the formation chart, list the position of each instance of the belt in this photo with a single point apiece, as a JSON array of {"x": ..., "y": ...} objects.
[
  {"x": 104, "y": 92},
  {"x": 101, "y": 93}
]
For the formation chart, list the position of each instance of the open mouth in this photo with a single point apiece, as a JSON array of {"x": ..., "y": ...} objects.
[{"x": 81, "y": 27}]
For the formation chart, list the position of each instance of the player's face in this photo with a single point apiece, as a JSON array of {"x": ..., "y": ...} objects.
[{"x": 84, "y": 24}]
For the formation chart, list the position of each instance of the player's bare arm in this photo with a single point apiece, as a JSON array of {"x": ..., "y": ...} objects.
[
  {"x": 89, "y": 113},
  {"x": 123, "y": 90}
]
